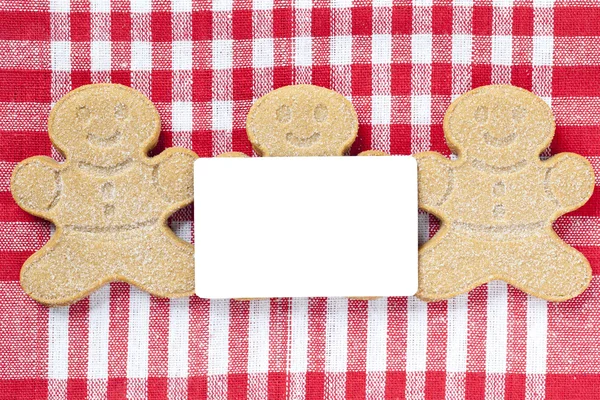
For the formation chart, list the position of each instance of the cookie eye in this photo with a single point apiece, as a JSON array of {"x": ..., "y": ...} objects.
[
  {"x": 284, "y": 114},
  {"x": 82, "y": 113},
  {"x": 120, "y": 110},
  {"x": 518, "y": 114},
  {"x": 481, "y": 115},
  {"x": 321, "y": 113}
]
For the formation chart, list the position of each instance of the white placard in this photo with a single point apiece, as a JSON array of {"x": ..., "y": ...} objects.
[{"x": 306, "y": 226}]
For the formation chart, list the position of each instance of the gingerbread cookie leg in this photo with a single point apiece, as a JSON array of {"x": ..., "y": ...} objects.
[
  {"x": 445, "y": 272},
  {"x": 565, "y": 273},
  {"x": 165, "y": 266},
  {"x": 46, "y": 275}
]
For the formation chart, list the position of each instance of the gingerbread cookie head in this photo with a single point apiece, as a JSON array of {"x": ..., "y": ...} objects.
[
  {"x": 104, "y": 125},
  {"x": 499, "y": 126},
  {"x": 302, "y": 120}
]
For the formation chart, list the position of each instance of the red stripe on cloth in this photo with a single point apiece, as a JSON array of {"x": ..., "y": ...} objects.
[
  {"x": 198, "y": 347},
  {"x": 279, "y": 336},
  {"x": 437, "y": 324},
  {"x": 435, "y": 385},
  {"x": 31, "y": 389},
  {"x": 12, "y": 212},
  {"x": 315, "y": 375},
  {"x": 120, "y": 27},
  {"x": 201, "y": 25},
  {"x": 574, "y": 81},
  {"x": 589, "y": 209},
  {"x": 238, "y": 349},
  {"x": 572, "y": 386},
  {"x": 573, "y": 340},
  {"x": 402, "y": 20},
  {"x": 161, "y": 27},
  {"x": 395, "y": 384},
  {"x": 25, "y": 86},
  {"x": 80, "y": 26},
  {"x": 576, "y": 21},
  {"x": 516, "y": 354},
  {"x": 117, "y": 340},
  {"x": 435, "y": 381},
  {"x": 475, "y": 385},
  {"x": 12, "y": 261},
  {"x": 24, "y": 25},
  {"x": 592, "y": 253},
  {"x": 476, "y": 343},
  {"x": 400, "y": 139},
  {"x": 482, "y": 20},
  {"x": 514, "y": 386},
  {"x": 356, "y": 384},
  {"x": 441, "y": 19},
  {"x": 197, "y": 387},
  {"x": 356, "y": 378},
  {"x": 24, "y": 333},
  {"x": 579, "y": 139},
  {"x": 158, "y": 348},
  {"x": 78, "y": 348}
]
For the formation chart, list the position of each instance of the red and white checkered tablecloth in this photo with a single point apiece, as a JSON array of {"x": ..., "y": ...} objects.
[{"x": 202, "y": 64}]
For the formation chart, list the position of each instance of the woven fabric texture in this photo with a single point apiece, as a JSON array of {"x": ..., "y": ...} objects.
[{"x": 203, "y": 64}]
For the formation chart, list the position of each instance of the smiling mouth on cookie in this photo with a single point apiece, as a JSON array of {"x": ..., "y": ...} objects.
[
  {"x": 104, "y": 141},
  {"x": 303, "y": 142},
  {"x": 499, "y": 142}
]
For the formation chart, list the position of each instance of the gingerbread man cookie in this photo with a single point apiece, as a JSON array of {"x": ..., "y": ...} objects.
[
  {"x": 109, "y": 200},
  {"x": 301, "y": 120},
  {"x": 498, "y": 200}
]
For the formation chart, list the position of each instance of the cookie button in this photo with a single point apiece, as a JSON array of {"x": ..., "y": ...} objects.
[
  {"x": 498, "y": 211},
  {"x": 499, "y": 188},
  {"x": 107, "y": 190}
]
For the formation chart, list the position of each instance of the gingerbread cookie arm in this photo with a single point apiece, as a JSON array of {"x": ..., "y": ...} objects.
[
  {"x": 174, "y": 172},
  {"x": 435, "y": 174},
  {"x": 36, "y": 185},
  {"x": 569, "y": 181}
]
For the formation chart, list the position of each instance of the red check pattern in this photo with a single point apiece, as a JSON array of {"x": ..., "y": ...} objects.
[{"x": 400, "y": 63}]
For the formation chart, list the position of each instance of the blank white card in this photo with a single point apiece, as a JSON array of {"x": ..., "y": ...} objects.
[{"x": 306, "y": 226}]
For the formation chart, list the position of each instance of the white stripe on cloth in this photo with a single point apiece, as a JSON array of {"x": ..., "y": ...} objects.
[
  {"x": 99, "y": 322},
  {"x": 302, "y": 42},
  {"x": 336, "y": 348},
  {"x": 182, "y": 61},
  {"x": 456, "y": 347},
  {"x": 496, "y": 339},
  {"x": 502, "y": 39},
  {"x": 100, "y": 45},
  {"x": 218, "y": 349},
  {"x": 341, "y": 49},
  {"x": 139, "y": 301},
  {"x": 298, "y": 360},
  {"x": 381, "y": 56},
  {"x": 537, "y": 341},
  {"x": 58, "y": 352},
  {"x": 137, "y": 343},
  {"x": 179, "y": 322},
  {"x": 58, "y": 317},
  {"x": 98, "y": 327},
  {"x": 537, "y": 309},
  {"x": 377, "y": 326},
  {"x": 416, "y": 348},
  {"x": 222, "y": 77},
  {"x": 258, "y": 348}
]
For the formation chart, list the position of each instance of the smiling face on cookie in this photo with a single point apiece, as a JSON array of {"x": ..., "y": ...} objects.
[
  {"x": 104, "y": 126},
  {"x": 499, "y": 126},
  {"x": 302, "y": 120}
]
